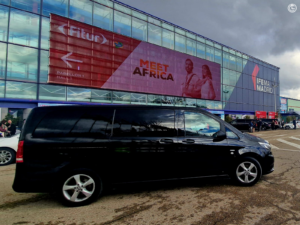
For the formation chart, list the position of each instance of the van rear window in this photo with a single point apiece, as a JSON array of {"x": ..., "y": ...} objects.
[{"x": 96, "y": 124}]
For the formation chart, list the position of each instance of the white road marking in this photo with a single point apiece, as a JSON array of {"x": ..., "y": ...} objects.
[
  {"x": 273, "y": 146},
  {"x": 289, "y": 143},
  {"x": 295, "y": 138},
  {"x": 290, "y": 150}
]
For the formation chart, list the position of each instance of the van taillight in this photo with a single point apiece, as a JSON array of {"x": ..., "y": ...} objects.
[{"x": 19, "y": 158}]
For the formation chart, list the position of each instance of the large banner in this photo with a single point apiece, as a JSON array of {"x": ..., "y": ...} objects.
[{"x": 84, "y": 55}]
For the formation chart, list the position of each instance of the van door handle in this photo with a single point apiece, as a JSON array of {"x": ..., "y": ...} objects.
[
  {"x": 166, "y": 140},
  {"x": 188, "y": 141}
]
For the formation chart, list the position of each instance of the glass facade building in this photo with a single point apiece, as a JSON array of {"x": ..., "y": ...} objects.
[{"x": 24, "y": 52}]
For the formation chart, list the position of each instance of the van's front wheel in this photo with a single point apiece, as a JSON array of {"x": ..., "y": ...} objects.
[
  {"x": 247, "y": 171},
  {"x": 80, "y": 187}
]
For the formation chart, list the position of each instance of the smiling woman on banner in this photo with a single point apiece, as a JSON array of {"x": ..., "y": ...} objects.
[{"x": 207, "y": 89}]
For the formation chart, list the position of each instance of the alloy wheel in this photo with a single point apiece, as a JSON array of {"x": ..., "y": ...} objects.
[
  {"x": 246, "y": 172},
  {"x": 78, "y": 188},
  {"x": 5, "y": 156}
]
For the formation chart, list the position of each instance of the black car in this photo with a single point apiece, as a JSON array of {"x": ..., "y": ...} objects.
[
  {"x": 77, "y": 151},
  {"x": 267, "y": 124},
  {"x": 242, "y": 124}
]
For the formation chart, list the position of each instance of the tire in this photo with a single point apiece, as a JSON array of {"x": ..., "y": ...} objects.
[
  {"x": 79, "y": 187},
  {"x": 287, "y": 127},
  {"x": 7, "y": 156},
  {"x": 242, "y": 167}
]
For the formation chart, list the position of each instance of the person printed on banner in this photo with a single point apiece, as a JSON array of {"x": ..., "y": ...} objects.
[
  {"x": 3, "y": 128},
  {"x": 207, "y": 89},
  {"x": 11, "y": 128},
  {"x": 193, "y": 83}
]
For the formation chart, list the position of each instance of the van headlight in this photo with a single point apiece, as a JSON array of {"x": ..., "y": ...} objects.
[{"x": 265, "y": 145}]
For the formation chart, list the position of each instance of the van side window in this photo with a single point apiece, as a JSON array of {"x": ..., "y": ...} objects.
[
  {"x": 95, "y": 124},
  {"x": 144, "y": 123},
  {"x": 199, "y": 125},
  {"x": 233, "y": 122},
  {"x": 230, "y": 134}
]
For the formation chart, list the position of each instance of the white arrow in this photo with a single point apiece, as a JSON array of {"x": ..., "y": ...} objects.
[{"x": 65, "y": 59}]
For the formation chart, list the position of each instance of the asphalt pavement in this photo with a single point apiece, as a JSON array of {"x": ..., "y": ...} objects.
[{"x": 273, "y": 200}]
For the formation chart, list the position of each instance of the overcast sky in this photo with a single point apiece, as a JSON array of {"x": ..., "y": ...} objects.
[{"x": 264, "y": 29}]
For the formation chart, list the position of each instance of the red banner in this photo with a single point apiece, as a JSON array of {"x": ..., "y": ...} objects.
[
  {"x": 271, "y": 115},
  {"x": 261, "y": 114},
  {"x": 84, "y": 55}
]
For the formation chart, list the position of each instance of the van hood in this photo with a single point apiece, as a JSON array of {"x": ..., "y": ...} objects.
[{"x": 254, "y": 138}]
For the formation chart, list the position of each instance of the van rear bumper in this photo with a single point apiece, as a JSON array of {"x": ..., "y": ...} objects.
[{"x": 30, "y": 180}]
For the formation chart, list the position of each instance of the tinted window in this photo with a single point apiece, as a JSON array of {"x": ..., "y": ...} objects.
[
  {"x": 199, "y": 125},
  {"x": 144, "y": 123},
  {"x": 233, "y": 122},
  {"x": 230, "y": 134},
  {"x": 75, "y": 124}
]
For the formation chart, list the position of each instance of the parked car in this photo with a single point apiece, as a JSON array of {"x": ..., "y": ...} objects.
[
  {"x": 290, "y": 125},
  {"x": 8, "y": 148},
  {"x": 77, "y": 151},
  {"x": 242, "y": 124},
  {"x": 267, "y": 124}
]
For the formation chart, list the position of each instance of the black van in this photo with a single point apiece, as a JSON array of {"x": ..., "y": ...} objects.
[
  {"x": 76, "y": 151},
  {"x": 242, "y": 124}
]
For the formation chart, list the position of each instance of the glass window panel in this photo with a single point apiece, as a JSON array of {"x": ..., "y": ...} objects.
[
  {"x": 245, "y": 57},
  {"x": 28, "y": 5},
  {"x": 190, "y": 102},
  {"x": 227, "y": 91},
  {"x": 200, "y": 39},
  {"x": 24, "y": 28},
  {"x": 167, "y": 100},
  {"x": 209, "y": 53},
  {"x": 139, "y": 15},
  {"x": 218, "y": 46},
  {"x": 139, "y": 99},
  {"x": 225, "y": 49},
  {"x": 199, "y": 125},
  {"x": 180, "y": 43},
  {"x": 122, "y": 23},
  {"x": 122, "y": 9},
  {"x": 59, "y": 7},
  {"x": 218, "y": 56},
  {"x": 233, "y": 78},
  {"x": 2, "y": 59},
  {"x": 238, "y": 54},
  {"x": 52, "y": 92},
  {"x": 201, "y": 50},
  {"x": 154, "y": 21},
  {"x": 154, "y": 99},
  {"x": 20, "y": 90},
  {"x": 179, "y": 101},
  {"x": 2, "y": 88},
  {"x": 3, "y": 22},
  {"x": 244, "y": 64},
  {"x": 201, "y": 103},
  {"x": 5, "y": 2},
  {"x": 209, "y": 43},
  {"x": 81, "y": 10},
  {"x": 226, "y": 76},
  {"x": 78, "y": 94},
  {"x": 179, "y": 31},
  {"x": 103, "y": 17},
  {"x": 139, "y": 29},
  {"x": 168, "y": 26},
  {"x": 193, "y": 36},
  {"x": 191, "y": 47},
  {"x": 45, "y": 33},
  {"x": 44, "y": 62},
  {"x": 218, "y": 105},
  {"x": 144, "y": 123},
  {"x": 121, "y": 97},
  {"x": 232, "y": 51},
  {"x": 154, "y": 34},
  {"x": 210, "y": 104},
  {"x": 239, "y": 64},
  {"x": 167, "y": 39},
  {"x": 22, "y": 63},
  {"x": 232, "y": 63},
  {"x": 106, "y": 2},
  {"x": 101, "y": 96},
  {"x": 226, "y": 60}
]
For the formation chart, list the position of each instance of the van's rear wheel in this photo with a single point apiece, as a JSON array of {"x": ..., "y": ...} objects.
[
  {"x": 7, "y": 156},
  {"x": 247, "y": 171},
  {"x": 80, "y": 187}
]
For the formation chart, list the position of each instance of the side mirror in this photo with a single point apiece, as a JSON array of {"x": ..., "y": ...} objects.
[{"x": 219, "y": 136}]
